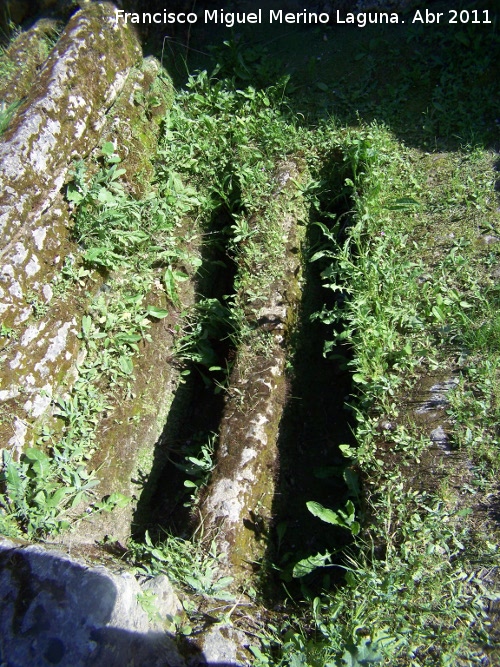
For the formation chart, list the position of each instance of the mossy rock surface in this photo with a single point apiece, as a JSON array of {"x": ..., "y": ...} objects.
[
  {"x": 68, "y": 114},
  {"x": 129, "y": 435},
  {"x": 133, "y": 123},
  {"x": 237, "y": 506},
  {"x": 61, "y": 118},
  {"x": 22, "y": 60}
]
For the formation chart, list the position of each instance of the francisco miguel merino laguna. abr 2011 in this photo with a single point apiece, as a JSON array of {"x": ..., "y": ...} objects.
[{"x": 219, "y": 16}]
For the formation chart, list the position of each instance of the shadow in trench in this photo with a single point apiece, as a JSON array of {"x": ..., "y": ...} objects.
[
  {"x": 315, "y": 422},
  {"x": 196, "y": 410}
]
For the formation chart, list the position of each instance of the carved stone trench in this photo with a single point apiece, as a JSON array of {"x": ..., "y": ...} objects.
[{"x": 235, "y": 509}]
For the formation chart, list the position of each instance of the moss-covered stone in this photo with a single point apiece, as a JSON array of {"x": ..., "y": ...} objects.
[
  {"x": 62, "y": 118},
  {"x": 236, "y": 510},
  {"x": 22, "y": 60},
  {"x": 63, "y": 115},
  {"x": 132, "y": 126},
  {"x": 93, "y": 88},
  {"x": 128, "y": 434}
]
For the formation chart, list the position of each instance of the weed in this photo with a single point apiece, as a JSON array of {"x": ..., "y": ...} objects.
[
  {"x": 40, "y": 307},
  {"x": 210, "y": 326},
  {"x": 7, "y": 111},
  {"x": 147, "y": 601},
  {"x": 119, "y": 231},
  {"x": 185, "y": 562},
  {"x": 199, "y": 466},
  {"x": 8, "y": 332}
]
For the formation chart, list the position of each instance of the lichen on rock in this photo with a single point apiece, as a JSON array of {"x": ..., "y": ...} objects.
[
  {"x": 22, "y": 59},
  {"x": 62, "y": 117}
]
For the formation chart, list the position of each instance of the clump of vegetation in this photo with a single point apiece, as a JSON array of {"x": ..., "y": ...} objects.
[{"x": 6, "y": 113}]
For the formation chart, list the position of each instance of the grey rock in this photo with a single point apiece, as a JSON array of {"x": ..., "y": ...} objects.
[
  {"x": 57, "y": 611},
  {"x": 440, "y": 438},
  {"x": 489, "y": 239},
  {"x": 223, "y": 644},
  {"x": 237, "y": 504},
  {"x": 166, "y": 602},
  {"x": 439, "y": 435},
  {"x": 438, "y": 399}
]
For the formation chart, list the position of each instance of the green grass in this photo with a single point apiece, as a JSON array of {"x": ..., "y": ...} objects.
[
  {"x": 6, "y": 113},
  {"x": 409, "y": 304}
]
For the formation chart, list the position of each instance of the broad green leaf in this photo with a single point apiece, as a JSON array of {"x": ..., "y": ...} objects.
[
  {"x": 351, "y": 511},
  {"x": 126, "y": 365},
  {"x": 329, "y": 516},
  {"x": 80, "y": 496},
  {"x": 223, "y": 582},
  {"x": 40, "y": 499},
  {"x": 194, "y": 583},
  {"x": 73, "y": 194},
  {"x": 319, "y": 255},
  {"x": 154, "y": 311},
  {"x": 117, "y": 173},
  {"x": 33, "y": 454},
  {"x": 298, "y": 660},
  {"x": 128, "y": 338},
  {"x": 119, "y": 500},
  {"x": 362, "y": 655},
  {"x": 57, "y": 497},
  {"x": 309, "y": 564},
  {"x": 90, "y": 484},
  {"x": 105, "y": 196},
  {"x": 438, "y": 313},
  {"x": 108, "y": 148},
  {"x": 355, "y": 528},
  {"x": 86, "y": 324},
  {"x": 348, "y": 451},
  {"x": 13, "y": 478},
  {"x": 170, "y": 287}
]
